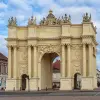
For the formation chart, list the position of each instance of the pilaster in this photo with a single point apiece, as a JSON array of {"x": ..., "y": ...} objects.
[
  {"x": 15, "y": 62},
  {"x": 90, "y": 60},
  {"x": 69, "y": 60},
  {"x": 9, "y": 61},
  {"x": 84, "y": 60},
  {"x": 35, "y": 62},
  {"x": 63, "y": 61},
  {"x": 29, "y": 61}
]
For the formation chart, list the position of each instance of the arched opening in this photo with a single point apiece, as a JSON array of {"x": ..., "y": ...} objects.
[
  {"x": 77, "y": 81},
  {"x": 48, "y": 75},
  {"x": 24, "y": 77}
]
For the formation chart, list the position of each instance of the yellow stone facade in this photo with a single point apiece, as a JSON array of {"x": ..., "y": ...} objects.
[{"x": 32, "y": 48}]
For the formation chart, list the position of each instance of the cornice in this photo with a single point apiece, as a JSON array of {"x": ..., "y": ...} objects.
[
  {"x": 65, "y": 37},
  {"x": 11, "y": 39},
  {"x": 93, "y": 28},
  {"x": 87, "y": 36},
  {"x": 22, "y": 39},
  {"x": 11, "y": 45},
  {"x": 48, "y": 44},
  {"x": 95, "y": 42},
  {"x": 53, "y": 38},
  {"x": 32, "y": 38}
]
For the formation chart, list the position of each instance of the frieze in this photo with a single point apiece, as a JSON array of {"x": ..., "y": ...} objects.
[
  {"x": 49, "y": 48},
  {"x": 76, "y": 46}
]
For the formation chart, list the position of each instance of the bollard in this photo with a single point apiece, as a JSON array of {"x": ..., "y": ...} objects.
[
  {"x": 14, "y": 89},
  {"x": 38, "y": 88},
  {"x": 20, "y": 89},
  {"x": 46, "y": 88}
]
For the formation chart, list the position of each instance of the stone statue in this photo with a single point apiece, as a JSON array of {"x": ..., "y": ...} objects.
[
  {"x": 66, "y": 18},
  {"x": 32, "y": 21},
  {"x": 87, "y": 18},
  {"x": 58, "y": 20},
  {"x": 62, "y": 20},
  {"x": 52, "y": 20},
  {"x": 12, "y": 21},
  {"x": 69, "y": 18}
]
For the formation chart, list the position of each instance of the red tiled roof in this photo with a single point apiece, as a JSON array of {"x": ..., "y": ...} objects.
[
  {"x": 2, "y": 57},
  {"x": 56, "y": 65}
]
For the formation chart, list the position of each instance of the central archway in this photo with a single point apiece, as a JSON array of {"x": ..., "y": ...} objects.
[{"x": 47, "y": 70}]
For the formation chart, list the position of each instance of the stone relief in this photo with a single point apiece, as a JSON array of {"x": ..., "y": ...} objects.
[
  {"x": 42, "y": 49},
  {"x": 76, "y": 58},
  {"x": 23, "y": 56},
  {"x": 49, "y": 49},
  {"x": 23, "y": 69}
]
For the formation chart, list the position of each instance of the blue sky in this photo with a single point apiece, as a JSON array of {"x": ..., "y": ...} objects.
[{"x": 23, "y": 9}]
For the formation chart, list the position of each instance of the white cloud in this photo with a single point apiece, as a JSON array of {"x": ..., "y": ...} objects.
[
  {"x": 77, "y": 2},
  {"x": 2, "y": 5}
]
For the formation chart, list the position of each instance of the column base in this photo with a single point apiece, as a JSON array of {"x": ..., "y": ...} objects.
[
  {"x": 33, "y": 84},
  {"x": 95, "y": 82},
  {"x": 87, "y": 83},
  {"x": 65, "y": 84},
  {"x": 12, "y": 84}
]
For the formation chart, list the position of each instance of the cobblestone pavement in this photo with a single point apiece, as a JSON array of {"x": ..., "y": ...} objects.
[{"x": 52, "y": 98}]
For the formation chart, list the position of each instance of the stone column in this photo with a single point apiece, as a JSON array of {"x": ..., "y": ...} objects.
[
  {"x": 84, "y": 60},
  {"x": 15, "y": 62},
  {"x": 35, "y": 61},
  {"x": 29, "y": 61},
  {"x": 69, "y": 61},
  {"x": 90, "y": 59},
  {"x": 63, "y": 61},
  {"x": 9, "y": 61}
]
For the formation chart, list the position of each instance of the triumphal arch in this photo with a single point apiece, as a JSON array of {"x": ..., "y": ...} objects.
[{"x": 32, "y": 48}]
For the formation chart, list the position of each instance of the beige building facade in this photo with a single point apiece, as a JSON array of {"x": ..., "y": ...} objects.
[{"x": 32, "y": 49}]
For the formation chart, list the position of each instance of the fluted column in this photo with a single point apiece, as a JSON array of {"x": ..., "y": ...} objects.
[
  {"x": 15, "y": 62},
  {"x": 35, "y": 61},
  {"x": 69, "y": 61},
  {"x": 90, "y": 59},
  {"x": 9, "y": 61},
  {"x": 63, "y": 61},
  {"x": 29, "y": 61},
  {"x": 84, "y": 60}
]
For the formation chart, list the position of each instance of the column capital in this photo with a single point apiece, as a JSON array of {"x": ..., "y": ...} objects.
[
  {"x": 84, "y": 43},
  {"x": 68, "y": 44},
  {"x": 63, "y": 44},
  {"x": 29, "y": 45},
  {"x": 9, "y": 46},
  {"x": 15, "y": 46},
  {"x": 90, "y": 44},
  {"x": 35, "y": 45}
]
